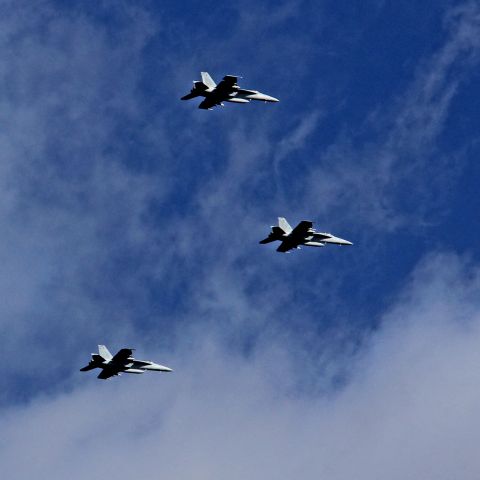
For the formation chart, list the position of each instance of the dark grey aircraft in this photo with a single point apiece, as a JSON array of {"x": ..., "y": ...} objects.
[
  {"x": 119, "y": 363},
  {"x": 226, "y": 91},
  {"x": 302, "y": 234}
]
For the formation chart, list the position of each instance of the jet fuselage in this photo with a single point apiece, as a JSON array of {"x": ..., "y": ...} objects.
[
  {"x": 122, "y": 362},
  {"x": 302, "y": 234},
  {"x": 226, "y": 91},
  {"x": 240, "y": 96}
]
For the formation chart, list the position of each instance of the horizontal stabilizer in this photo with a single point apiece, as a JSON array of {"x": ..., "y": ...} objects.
[
  {"x": 267, "y": 240},
  {"x": 196, "y": 91},
  {"x": 88, "y": 367},
  {"x": 276, "y": 234},
  {"x": 189, "y": 96}
]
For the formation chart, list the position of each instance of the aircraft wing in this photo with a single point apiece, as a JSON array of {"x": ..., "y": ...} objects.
[
  {"x": 296, "y": 236},
  {"x": 107, "y": 373},
  {"x": 287, "y": 245},
  {"x": 220, "y": 93},
  {"x": 122, "y": 356},
  {"x": 227, "y": 85},
  {"x": 301, "y": 230},
  {"x": 210, "y": 102}
]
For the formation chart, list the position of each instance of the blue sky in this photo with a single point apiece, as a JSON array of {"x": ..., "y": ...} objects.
[{"x": 132, "y": 219}]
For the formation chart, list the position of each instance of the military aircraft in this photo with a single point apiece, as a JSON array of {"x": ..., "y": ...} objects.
[
  {"x": 122, "y": 361},
  {"x": 226, "y": 91},
  {"x": 302, "y": 234}
]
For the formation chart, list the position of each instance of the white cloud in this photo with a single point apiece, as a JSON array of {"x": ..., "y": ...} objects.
[
  {"x": 73, "y": 207},
  {"x": 407, "y": 410}
]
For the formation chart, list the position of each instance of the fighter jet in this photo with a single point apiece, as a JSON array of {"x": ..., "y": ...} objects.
[
  {"x": 226, "y": 91},
  {"x": 121, "y": 362},
  {"x": 302, "y": 234}
]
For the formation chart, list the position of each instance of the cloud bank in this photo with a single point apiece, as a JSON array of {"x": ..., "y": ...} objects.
[{"x": 409, "y": 408}]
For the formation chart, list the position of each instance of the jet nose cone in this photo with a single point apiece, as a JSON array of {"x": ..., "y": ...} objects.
[
  {"x": 157, "y": 367},
  {"x": 268, "y": 98},
  {"x": 337, "y": 241},
  {"x": 261, "y": 97}
]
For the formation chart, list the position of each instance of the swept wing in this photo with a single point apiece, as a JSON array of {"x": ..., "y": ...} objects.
[
  {"x": 211, "y": 101},
  {"x": 302, "y": 230},
  {"x": 221, "y": 92},
  {"x": 296, "y": 237},
  {"x": 227, "y": 86},
  {"x": 287, "y": 245},
  {"x": 122, "y": 356},
  {"x": 108, "y": 372}
]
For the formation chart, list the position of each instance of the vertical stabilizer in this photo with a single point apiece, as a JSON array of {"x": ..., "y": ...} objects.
[
  {"x": 284, "y": 225},
  {"x": 208, "y": 80},
  {"x": 104, "y": 353}
]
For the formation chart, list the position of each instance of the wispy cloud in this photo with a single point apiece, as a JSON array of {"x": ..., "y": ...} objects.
[
  {"x": 71, "y": 205},
  {"x": 367, "y": 177}
]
